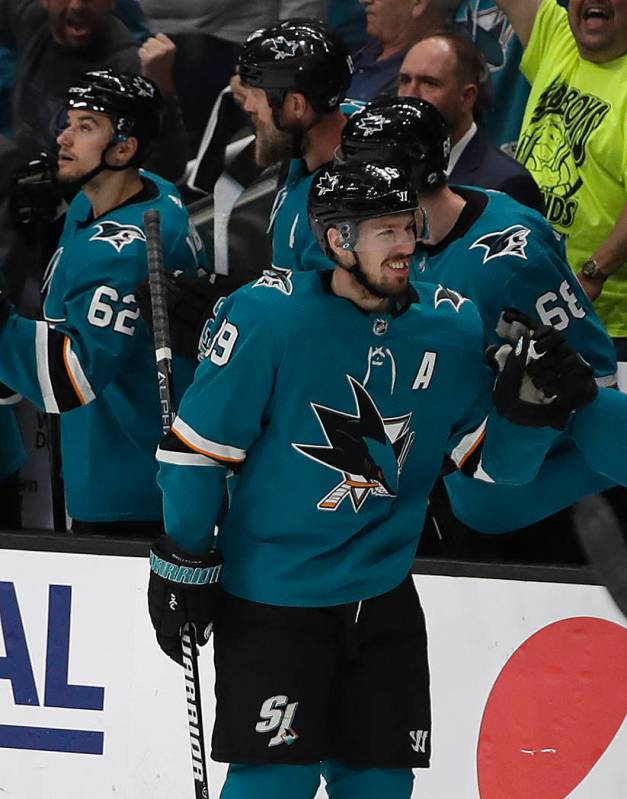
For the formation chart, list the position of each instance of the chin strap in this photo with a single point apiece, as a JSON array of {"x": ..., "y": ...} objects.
[{"x": 102, "y": 166}]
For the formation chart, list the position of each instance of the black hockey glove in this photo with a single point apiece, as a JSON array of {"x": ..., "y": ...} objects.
[
  {"x": 182, "y": 588},
  {"x": 513, "y": 324},
  {"x": 560, "y": 372},
  {"x": 191, "y": 302},
  {"x": 519, "y": 392},
  {"x": 36, "y": 195}
]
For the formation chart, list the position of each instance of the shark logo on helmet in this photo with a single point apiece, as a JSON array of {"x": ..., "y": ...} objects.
[{"x": 283, "y": 48}]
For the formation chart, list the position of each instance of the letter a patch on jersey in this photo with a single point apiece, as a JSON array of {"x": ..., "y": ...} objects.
[
  {"x": 511, "y": 241},
  {"x": 117, "y": 235},
  {"x": 368, "y": 450}
]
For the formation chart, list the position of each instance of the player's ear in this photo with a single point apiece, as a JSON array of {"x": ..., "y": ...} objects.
[
  {"x": 335, "y": 241},
  {"x": 125, "y": 150},
  {"x": 298, "y": 105}
]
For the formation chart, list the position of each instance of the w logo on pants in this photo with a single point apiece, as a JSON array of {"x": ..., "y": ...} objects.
[{"x": 419, "y": 738}]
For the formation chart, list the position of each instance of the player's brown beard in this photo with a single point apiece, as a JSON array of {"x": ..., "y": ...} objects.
[{"x": 273, "y": 145}]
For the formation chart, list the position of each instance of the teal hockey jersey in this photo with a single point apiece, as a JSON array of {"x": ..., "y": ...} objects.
[
  {"x": 91, "y": 358},
  {"x": 334, "y": 423},
  {"x": 502, "y": 254},
  {"x": 294, "y": 245}
]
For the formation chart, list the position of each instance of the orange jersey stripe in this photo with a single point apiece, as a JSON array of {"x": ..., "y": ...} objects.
[
  {"x": 472, "y": 449},
  {"x": 66, "y": 347}
]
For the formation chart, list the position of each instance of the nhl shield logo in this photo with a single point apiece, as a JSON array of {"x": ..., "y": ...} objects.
[{"x": 380, "y": 327}]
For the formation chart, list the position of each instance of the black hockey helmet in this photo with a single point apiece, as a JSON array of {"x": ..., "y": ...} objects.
[
  {"x": 401, "y": 130},
  {"x": 131, "y": 101},
  {"x": 344, "y": 196},
  {"x": 297, "y": 55}
]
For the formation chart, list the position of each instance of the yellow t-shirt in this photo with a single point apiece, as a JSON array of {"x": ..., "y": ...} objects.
[{"x": 573, "y": 141}]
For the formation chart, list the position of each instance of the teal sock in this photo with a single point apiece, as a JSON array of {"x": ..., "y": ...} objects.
[
  {"x": 271, "y": 782},
  {"x": 366, "y": 783}
]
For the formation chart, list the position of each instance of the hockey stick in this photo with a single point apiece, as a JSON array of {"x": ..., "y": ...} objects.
[
  {"x": 163, "y": 355},
  {"x": 601, "y": 538}
]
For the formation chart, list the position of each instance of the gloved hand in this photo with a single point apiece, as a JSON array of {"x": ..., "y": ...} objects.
[
  {"x": 542, "y": 380},
  {"x": 191, "y": 301},
  {"x": 559, "y": 371},
  {"x": 36, "y": 195},
  {"x": 182, "y": 588}
]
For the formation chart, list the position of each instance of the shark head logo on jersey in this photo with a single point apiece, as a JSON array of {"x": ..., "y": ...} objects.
[
  {"x": 276, "y": 278},
  {"x": 443, "y": 294},
  {"x": 511, "y": 241},
  {"x": 117, "y": 235},
  {"x": 327, "y": 182},
  {"x": 283, "y": 48},
  {"x": 370, "y": 124},
  {"x": 368, "y": 450}
]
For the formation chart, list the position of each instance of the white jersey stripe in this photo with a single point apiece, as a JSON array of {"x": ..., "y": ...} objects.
[
  {"x": 212, "y": 449},
  {"x": 43, "y": 368},
  {"x": 186, "y": 458},
  {"x": 12, "y": 400},
  {"x": 467, "y": 444},
  {"x": 481, "y": 474}
]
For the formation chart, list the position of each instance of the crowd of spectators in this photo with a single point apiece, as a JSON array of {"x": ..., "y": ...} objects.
[{"x": 532, "y": 93}]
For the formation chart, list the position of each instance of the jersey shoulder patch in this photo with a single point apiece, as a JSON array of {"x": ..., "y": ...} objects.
[
  {"x": 276, "y": 278},
  {"x": 443, "y": 294},
  {"x": 511, "y": 241},
  {"x": 116, "y": 234}
]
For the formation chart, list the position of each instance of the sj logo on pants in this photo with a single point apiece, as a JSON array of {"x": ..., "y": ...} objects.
[{"x": 277, "y": 713}]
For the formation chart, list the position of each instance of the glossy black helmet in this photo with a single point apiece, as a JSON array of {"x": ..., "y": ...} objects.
[
  {"x": 401, "y": 130},
  {"x": 346, "y": 195},
  {"x": 132, "y": 102},
  {"x": 297, "y": 55}
]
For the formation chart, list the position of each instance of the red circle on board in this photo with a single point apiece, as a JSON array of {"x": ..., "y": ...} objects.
[{"x": 553, "y": 710}]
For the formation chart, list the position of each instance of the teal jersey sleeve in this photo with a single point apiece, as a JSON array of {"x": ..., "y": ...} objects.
[
  {"x": 510, "y": 256},
  {"x": 483, "y": 444},
  {"x": 221, "y": 414},
  {"x": 600, "y": 433},
  {"x": 548, "y": 291}
]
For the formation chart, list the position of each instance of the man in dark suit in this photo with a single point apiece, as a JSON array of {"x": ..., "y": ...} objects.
[{"x": 449, "y": 72}]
